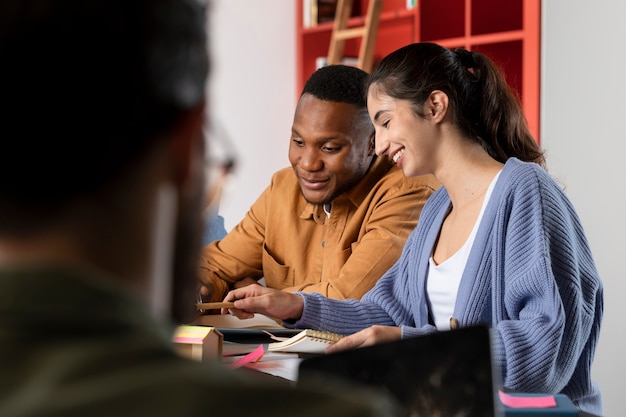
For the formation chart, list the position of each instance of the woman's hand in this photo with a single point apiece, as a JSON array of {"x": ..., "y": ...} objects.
[
  {"x": 271, "y": 302},
  {"x": 366, "y": 337}
]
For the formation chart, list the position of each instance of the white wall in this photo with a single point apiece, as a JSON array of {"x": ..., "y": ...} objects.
[
  {"x": 583, "y": 127},
  {"x": 253, "y": 86}
]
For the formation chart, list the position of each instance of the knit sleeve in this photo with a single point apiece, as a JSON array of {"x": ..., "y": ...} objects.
[{"x": 546, "y": 325}]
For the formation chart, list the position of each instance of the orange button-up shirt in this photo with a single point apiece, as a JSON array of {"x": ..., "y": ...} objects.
[{"x": 295, "y": 247}]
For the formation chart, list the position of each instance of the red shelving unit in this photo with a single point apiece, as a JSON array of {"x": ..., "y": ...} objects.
[{"x": 507, "y": 31}]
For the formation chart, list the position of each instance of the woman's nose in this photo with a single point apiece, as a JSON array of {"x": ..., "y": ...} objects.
[{"x": 381, "y": 145}]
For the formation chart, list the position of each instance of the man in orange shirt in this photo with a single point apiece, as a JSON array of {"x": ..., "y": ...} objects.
[{"x": 336, "y": 220}]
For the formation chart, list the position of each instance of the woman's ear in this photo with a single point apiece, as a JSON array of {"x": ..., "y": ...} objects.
[{"x": 437, "y": 106}]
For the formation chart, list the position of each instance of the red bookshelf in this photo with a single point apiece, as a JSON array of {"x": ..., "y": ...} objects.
[{"x": 507, "y": 31}]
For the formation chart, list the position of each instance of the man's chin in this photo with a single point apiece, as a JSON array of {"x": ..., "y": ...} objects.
[{"x": 316, "y": 198}]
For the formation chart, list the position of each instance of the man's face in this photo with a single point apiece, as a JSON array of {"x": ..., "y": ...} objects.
[{"x": 330, "y": 148}]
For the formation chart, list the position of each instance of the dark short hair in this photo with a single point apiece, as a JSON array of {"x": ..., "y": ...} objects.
[
  {"x": 338, "y": 83},
  {"x": 87, "y": 86}
]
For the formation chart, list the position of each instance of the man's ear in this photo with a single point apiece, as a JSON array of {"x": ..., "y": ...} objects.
[
  {"x": 187, "y": 143},
  {"x": 436, "y": 106}
]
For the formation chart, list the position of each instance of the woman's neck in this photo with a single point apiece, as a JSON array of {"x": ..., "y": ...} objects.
[{"x": 466, "y": 172}]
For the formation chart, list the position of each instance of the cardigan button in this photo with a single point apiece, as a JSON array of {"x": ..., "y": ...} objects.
[{"x": 454, "y": 323}]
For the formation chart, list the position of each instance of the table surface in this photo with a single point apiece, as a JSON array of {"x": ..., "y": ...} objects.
[{"x": 283, "y": 365}]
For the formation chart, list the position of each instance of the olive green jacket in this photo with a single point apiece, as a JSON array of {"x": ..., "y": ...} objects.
[{"x": 73, "y": 344}]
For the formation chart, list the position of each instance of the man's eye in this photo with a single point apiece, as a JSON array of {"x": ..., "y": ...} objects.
[
  {"x": 298, "y": 142},
  {"x": 331, "y": 149}
]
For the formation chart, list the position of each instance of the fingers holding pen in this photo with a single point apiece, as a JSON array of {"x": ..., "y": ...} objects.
[
  {"x": 244, "y": 301},
  {"x": 268, "y": 301}
]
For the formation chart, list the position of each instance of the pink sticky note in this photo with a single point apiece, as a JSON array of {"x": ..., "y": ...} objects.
[
  {"x": 251, "y": 357},
  {"x": 527, "y": 401}
]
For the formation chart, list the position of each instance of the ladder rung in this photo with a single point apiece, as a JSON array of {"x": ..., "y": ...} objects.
[
  {"x": 367, "y": 32},
  {"x": 349, "y": 33}
]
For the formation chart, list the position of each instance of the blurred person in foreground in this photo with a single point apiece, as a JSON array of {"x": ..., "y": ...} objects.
[{"x": 101, "y": 190}]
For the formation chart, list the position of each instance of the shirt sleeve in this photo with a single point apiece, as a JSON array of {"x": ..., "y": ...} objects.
[
  {"x": 239, "y": 254},
  {"x": 548, "y": 322}
]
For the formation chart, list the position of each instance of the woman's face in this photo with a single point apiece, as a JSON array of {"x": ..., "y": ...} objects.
[{"x": 405, "y": 137}]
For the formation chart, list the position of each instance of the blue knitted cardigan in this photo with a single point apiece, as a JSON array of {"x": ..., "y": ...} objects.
[{"x": 530, "y": 277}]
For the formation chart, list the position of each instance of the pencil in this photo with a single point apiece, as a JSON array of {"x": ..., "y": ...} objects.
[{"x": 213, "y": 306}]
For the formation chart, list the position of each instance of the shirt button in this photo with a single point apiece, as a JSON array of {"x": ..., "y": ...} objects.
[{"x": 454, "y": 323}]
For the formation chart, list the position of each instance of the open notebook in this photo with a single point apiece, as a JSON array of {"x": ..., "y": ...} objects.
[
  {"x": 306, "y": 341},
  {"x": 250, "y": 331},
  {"x": 441, "y": 374}
]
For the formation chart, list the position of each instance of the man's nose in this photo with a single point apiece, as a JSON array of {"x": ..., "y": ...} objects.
[{"x": 310, "y": 160}]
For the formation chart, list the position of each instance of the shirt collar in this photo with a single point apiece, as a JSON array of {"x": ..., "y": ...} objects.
[{"x": 379, "y": 167}]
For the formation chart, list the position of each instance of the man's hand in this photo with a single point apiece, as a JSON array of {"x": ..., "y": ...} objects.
[
  {"x": 366, "y": 337},
  {"x": 268, "y": 301}
]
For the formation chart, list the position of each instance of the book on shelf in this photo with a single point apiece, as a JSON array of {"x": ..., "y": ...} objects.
[
  {"x": 307, "y": 13},
  {"x": 306, "y": 341},
  {"x": 326, "y": 10},
  {"x": 317, "y": 11},
  {"x": 322, "y": 61}
]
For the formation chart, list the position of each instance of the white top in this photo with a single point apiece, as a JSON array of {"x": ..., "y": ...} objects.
[
  {"x": 326, "y": 208},
  {"x": 442, "y": 284}
]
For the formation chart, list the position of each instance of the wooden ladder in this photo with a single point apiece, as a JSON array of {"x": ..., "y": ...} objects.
[{"x": 367, "y": 33}]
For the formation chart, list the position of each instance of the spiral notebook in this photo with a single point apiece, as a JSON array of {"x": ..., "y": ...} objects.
[
  {"x": 446, "y": 373},
  {"x": 306, "y": 341}
]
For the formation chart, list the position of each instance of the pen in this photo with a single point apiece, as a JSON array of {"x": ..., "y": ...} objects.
[{"x": 212, "y": 306}]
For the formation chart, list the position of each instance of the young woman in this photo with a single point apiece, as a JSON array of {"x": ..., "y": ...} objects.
[{"x": 499, "y": 244}]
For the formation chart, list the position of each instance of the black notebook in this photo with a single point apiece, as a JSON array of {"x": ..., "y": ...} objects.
[{"x": 446, "y": 373}]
